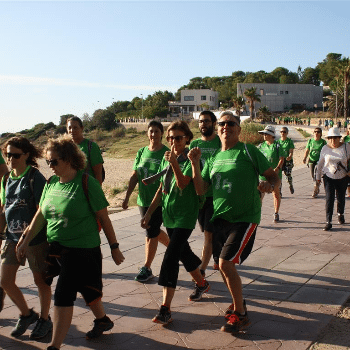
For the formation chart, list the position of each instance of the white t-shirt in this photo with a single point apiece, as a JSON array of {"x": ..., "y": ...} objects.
[{"x": 333, "y": 162}]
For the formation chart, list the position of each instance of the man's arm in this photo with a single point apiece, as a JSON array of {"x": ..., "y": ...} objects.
[
  {"x": 200, "y": 185},
  {"x": 132, "y": 184},
  {"x": 272, "y": 181}
]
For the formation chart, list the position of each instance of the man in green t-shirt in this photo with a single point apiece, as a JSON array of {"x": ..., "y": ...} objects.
[
  {"x": 273, "y": 153},
  {"x": 313, "y": 150},
  {"x": 208, "y": 143},
  {"x": 287, "y": 149},
  {"x": 233, "y": 172}
]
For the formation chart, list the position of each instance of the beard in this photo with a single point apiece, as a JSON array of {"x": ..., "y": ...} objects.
[{"x": 208, "y": 132}]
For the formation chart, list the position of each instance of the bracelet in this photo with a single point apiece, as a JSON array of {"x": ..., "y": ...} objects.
[{"x": 114, "y": 246}]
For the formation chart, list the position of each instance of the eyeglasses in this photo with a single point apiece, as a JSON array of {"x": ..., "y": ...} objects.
[
  {"x": 14, "y": 155},
  {"x": 176, "y": 138},
  {"x": 52, "y": 162},
  {"x": 204, "y": 121},
  {"x": 228, "y": 122},
  {"x": 317, "y": 132}
]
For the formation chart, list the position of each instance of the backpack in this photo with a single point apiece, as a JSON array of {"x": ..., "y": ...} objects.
[{"x": 89, "y": 160}]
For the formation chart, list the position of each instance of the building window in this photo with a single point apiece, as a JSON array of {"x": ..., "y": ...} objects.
[
  {"x": 191, "y": 109},
  {"x": 262, "y": 92},
  {"x": 188, "y": 98},
  {"x": 281, "y": 92},
  {"x": 203, "y": 98},
  {"x": 286, "y": 92}
]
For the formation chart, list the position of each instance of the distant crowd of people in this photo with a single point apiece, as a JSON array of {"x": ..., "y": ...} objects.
[{"x": 216, "y": 179}]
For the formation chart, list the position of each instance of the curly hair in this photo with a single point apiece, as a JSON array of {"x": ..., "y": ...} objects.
[
  {"x": 25, "y": 146},
  {"x": 68, "y": 151},
  {"x": 182, "y": 126}
]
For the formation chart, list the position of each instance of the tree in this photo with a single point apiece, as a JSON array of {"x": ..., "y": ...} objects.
[
  {"x": 104, "y": 119},
  {"x": 63, "y": 118},
  {"x": 310, "y": 76},
  {"x": 264, "y": 114},
  {"x": 238, "y": 104},
  {"x": 252, "y": 97},
  {"x": 328, "y": 67}
]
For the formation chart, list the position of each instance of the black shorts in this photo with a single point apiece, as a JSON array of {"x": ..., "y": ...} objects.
[
  {"x": 205, "y": 214},
  {"x": 155, "y": 222},
  {"x": 237, "y": 239},
  {"x": 80, "y": 271}
]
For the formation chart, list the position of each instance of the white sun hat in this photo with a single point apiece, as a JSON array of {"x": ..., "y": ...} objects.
[
  {"x": 269, "y": 130},
  {"x": 334, "y": 132}
]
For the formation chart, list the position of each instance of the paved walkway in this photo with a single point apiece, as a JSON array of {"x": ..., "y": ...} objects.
[{"x": 294, "y": 281}]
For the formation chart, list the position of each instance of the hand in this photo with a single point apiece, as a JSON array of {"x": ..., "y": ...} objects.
[
  {"x": 170, "y": 155},
  {"x": 145, "y": 221},
  {"x": 277, "y": 170},
  {"x": 304, "y": 160},
  {"x": 265, "y": 187},
  {"x": 125, "y": 204},
  {"x": 289, "y": 158},
  {"x": 21, "y": 249},
  {"x": 117, "y": 256},
  {"x": 194, "y": 155}
]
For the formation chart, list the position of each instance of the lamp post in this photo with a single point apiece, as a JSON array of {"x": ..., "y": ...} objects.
[{"x": 142, "y": 106}]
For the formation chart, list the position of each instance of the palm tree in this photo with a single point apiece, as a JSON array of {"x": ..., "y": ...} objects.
[
  {"x": 252, "y": 97},
  {"x": 264, "y": 114},
  {"x": 238, "y": 104}
]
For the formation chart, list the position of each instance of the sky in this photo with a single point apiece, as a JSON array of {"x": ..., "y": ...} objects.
[{"x": 66, "y": 57}]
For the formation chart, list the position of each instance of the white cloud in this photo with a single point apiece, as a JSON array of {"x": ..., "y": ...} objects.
[{"x": 22, "y": 80}]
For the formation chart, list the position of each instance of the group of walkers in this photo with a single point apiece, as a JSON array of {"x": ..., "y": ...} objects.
[
  {"x": 216, "y": 179},
  {"x": 54, "y": 224}
]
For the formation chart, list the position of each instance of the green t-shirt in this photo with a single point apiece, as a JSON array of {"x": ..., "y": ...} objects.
[
  {"x": 147, "y": 163},
  {"x": 235, "y": 180},
  {"x": 180, "y": 207},
  {"x": 70, "y": 220},
  {"x": 315, "y": 148},
  {"x": 95, "y": 155},
  {"x": 285, "y": 146},
  {"x": 347, "y": 137},
  {"x": 2, "y": 161},
  {"x": 272, "y": 153},
  {"x": 208, "y": 148}
]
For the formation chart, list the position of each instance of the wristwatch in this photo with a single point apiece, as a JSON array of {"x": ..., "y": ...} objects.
[{"x": 114, "y": 246}]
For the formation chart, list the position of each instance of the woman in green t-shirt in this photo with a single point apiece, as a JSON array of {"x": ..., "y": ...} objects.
[
  {"x": 313, "y": 150},
  {"x": 21, "y": 190},
  {"x": 70, "y": 204},
  {"x": 180, "y": 211},
  {"x": 147, "y": 163}
]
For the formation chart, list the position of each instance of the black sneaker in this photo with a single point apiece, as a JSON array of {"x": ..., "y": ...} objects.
[
  {"x": 144, "y": 274},
  {"x": 291, "y": 188},
  {"x": 23, "y": 323},
  {"x": 51, "y": 348},
  {"x": 276, "y": 217},
  {"x": 327, "y": 227},
  {"x": 341, "y": 219},
  {"x": 236, "y": 323},
  {"x": 2, "y": 298},
  {"x": 42, "y": 328},
  {"x": 230, "y": 310},
  {"x": 100, "y": 325},
  {"x": 164, "y": 316},
  {"x": 199, "y": 291}
]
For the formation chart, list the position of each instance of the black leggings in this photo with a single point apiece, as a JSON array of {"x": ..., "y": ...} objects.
[
  {"x": 332, "y": 186},
  {"x": 177, "y": 250}
]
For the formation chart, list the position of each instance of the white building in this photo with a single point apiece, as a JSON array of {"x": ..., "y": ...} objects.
[
  {"x": 284, "y": 97},
  {"x": 193, "y": 101}
]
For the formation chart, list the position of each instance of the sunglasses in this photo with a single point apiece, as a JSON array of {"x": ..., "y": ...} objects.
[
  {"x": 228, "y": 123},
  {"x": 317, "y": 132},
  {"x": 283, "y": 132},
  {"x": 52, "y": 162},
  {"x": 14, "y": 155},
  {"x": 204, "y": 121},
  {"x": 176, "y": 138}
]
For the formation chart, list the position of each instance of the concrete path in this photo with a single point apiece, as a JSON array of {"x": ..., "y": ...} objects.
[{"x": 294, "y": 281}]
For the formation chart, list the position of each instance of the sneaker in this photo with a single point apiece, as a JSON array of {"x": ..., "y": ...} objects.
[
  {"x": 199, "y": 291},
  {"x": 2, "y": 298},
  {"x": 42, "y": 328},
  {"x": 276, "y": 217},
  {"x": 100, "y": 325},
  {"x": 216, "y": 266},
  {"x": 291, "y": 188},
  {"x": 164, "y": 316},
  {"x": 23, "y": 323},
  {"x": 51, "y": 348},
  {"x": 341, "y": 219},
  {"x": 144, "y": 274},
  {"x": 327, "y": 227},
  {"x": 236, "y": 323},
  {"x": 230, "y": 310}
]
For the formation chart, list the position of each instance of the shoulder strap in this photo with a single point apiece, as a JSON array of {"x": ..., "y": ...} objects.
[
  {"x": 32, "y": 172},
  {"x": 89, "y": 152},
  {"x": 85, "y": 179},
  {"x": 251, "y": 159}
]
